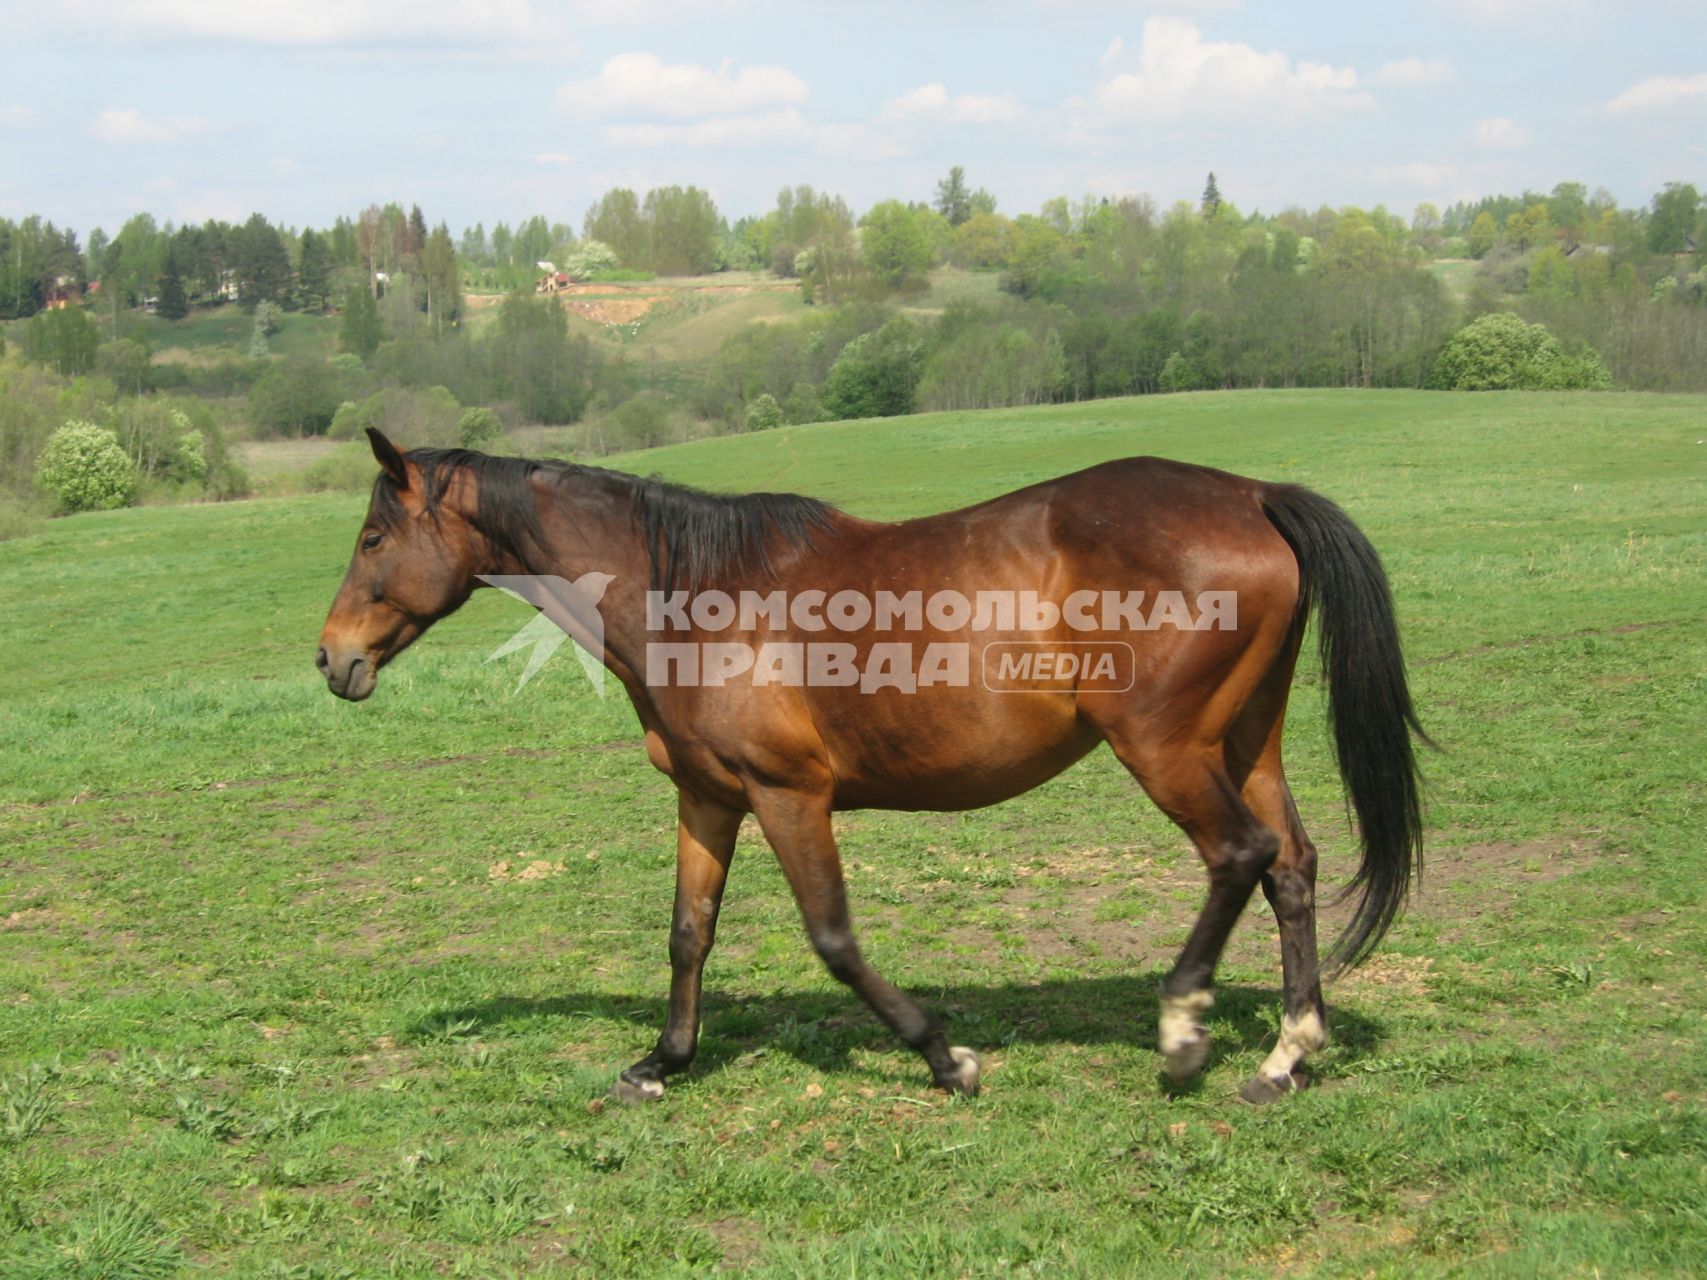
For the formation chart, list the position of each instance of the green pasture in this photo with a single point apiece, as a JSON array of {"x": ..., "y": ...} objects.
[
  {"x": 1457, "y": 274},
  {"x": 296, "y": 988},
  {"x": 204, "y": 331}
]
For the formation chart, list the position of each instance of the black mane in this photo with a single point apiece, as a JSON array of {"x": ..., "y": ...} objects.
[{"x": 692, "y": 537}]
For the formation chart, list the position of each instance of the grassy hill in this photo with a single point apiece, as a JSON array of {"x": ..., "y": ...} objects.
[{"x": 296, "y": 982}]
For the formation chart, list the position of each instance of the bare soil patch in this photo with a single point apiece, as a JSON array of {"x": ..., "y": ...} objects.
[{"x": 1130, "y": 906}]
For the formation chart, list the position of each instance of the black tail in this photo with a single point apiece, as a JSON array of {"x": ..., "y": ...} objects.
[{"x": 1369, "y": 704}]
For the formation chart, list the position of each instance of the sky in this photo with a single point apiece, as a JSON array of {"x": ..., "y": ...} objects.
[{"x": 494, "y": 110}]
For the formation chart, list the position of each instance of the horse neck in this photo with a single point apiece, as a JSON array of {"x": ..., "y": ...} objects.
[{"x": 589, "y": 524}]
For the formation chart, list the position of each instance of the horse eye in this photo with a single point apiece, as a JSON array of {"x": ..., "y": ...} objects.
[{"x": 372, "y": 541}]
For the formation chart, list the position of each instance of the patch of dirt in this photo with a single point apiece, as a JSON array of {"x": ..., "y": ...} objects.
[
  {"x": 741, "y": 1239},
  {"x": 1408, "y": 975},
  {"x": 536, "y": 869},
  {"x": 617, "y": 303},
  {"x": 1472, "y": 886},
  {"x": 1128, "y": 905},
  {"x": 614, "y": 310},
  {"x": 28, "y": 918}
]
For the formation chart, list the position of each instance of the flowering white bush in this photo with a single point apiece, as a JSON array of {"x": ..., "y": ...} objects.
[{"x": 86, "y": 468}]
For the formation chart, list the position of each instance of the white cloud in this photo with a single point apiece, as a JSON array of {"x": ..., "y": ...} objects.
[
  {"x": 640, "y": 84},
  {"x": 773, "y": 128},
  {"x": 1180, "y": 73},
  {"x": 127, "y": 126},
  {"x": 1500, "y": 134},
  {"x": 934, "y": 102},
  {"x": 18, "y": 117},
  {"x": 554, "y": 158},
  {"x": 1659, "y": 91},
  {"x": 1409, "y": 73}
]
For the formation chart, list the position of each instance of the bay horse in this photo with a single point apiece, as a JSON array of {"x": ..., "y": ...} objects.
[{"x": 1041, "y": 585}]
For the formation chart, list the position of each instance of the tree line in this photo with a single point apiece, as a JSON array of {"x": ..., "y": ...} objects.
[{"x": 1081, "y": 299}]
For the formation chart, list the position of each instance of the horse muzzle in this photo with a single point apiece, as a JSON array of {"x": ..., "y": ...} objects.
[{"x": 352, "y": 676}]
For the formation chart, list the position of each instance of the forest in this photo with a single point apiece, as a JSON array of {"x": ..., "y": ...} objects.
[{"x": 179, "y": 343}]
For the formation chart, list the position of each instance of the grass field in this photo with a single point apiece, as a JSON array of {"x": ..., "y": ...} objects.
[
  {"x": 296, "y": 988},
  {"x": 203, "y": 333}
]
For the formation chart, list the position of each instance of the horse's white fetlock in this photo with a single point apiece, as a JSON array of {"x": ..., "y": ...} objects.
[
  {"x": 1183, "y": 1037},
  {"x": 967, "y": 1069}
]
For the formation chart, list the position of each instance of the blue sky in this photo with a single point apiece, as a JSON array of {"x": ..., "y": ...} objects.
[{"x": 493, "y": 110}]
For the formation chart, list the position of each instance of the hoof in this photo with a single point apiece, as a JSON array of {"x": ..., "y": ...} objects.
[
  {"x": 1187, "y": 1060},
  {"x": 633, "y": 1092},
  {"x": 965, "y": 1077},
  {"x": 1261, "y": 1089}
]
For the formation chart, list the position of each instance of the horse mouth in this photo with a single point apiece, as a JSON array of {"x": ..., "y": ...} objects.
[{"x": 354, "y": 682}]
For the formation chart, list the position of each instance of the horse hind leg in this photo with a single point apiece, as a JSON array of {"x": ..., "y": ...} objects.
[
  {"x": 1237, "y": 849},
  {"x": 1290, "y": 887},
  {"x": 1253, "y": 750}
]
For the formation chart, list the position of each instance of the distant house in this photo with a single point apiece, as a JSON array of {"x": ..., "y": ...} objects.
[
  {"x": 551, "y": 282},
  {"x": 62, "y": 293}
]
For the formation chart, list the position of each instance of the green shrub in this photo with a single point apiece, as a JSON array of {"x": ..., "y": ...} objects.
[
  {"x": 1179, "y": 374},
  {"x": 1499, "y": 352},
  {"x": 764, "y": 413},
  {"x": 591, "y": 258},
  {"x": 349, "y": 468},
  {"x": 226, "y": 376},
  {"x": 802, "y": 404},
  {"x": 296, "y": 396},
  {"x": 190, "y": 457},
  {"x": 478, "y": 428},
  {"x": 1584, "y": 371},
  {"x": 877, "y": 374},
  {"x": 413, "y": 416},
  {"x": 641, "y": 421},
  {"x": 86, "y": 469}
]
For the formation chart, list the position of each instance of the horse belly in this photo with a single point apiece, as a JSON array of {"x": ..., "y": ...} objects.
[{"x": 945, "y": 762}]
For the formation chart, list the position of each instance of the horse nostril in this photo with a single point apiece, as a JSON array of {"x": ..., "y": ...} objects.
[{"x": 322, "y": 661}]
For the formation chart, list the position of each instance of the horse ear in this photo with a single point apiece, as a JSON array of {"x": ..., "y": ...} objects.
[{"x": 389, "y": 458}]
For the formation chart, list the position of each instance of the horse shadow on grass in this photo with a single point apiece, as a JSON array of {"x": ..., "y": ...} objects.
[{"x": 821, "y": 1028}]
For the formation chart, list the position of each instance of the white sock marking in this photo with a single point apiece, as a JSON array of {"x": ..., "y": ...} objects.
[
  {"x": 1180, "y": 1025},
  {"x": 1298, "y": 1037}
]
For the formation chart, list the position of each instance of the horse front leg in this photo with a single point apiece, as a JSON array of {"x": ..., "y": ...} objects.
[
  {"x": 797, "y": 825},
  {"x": 705, "y": 842}
]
